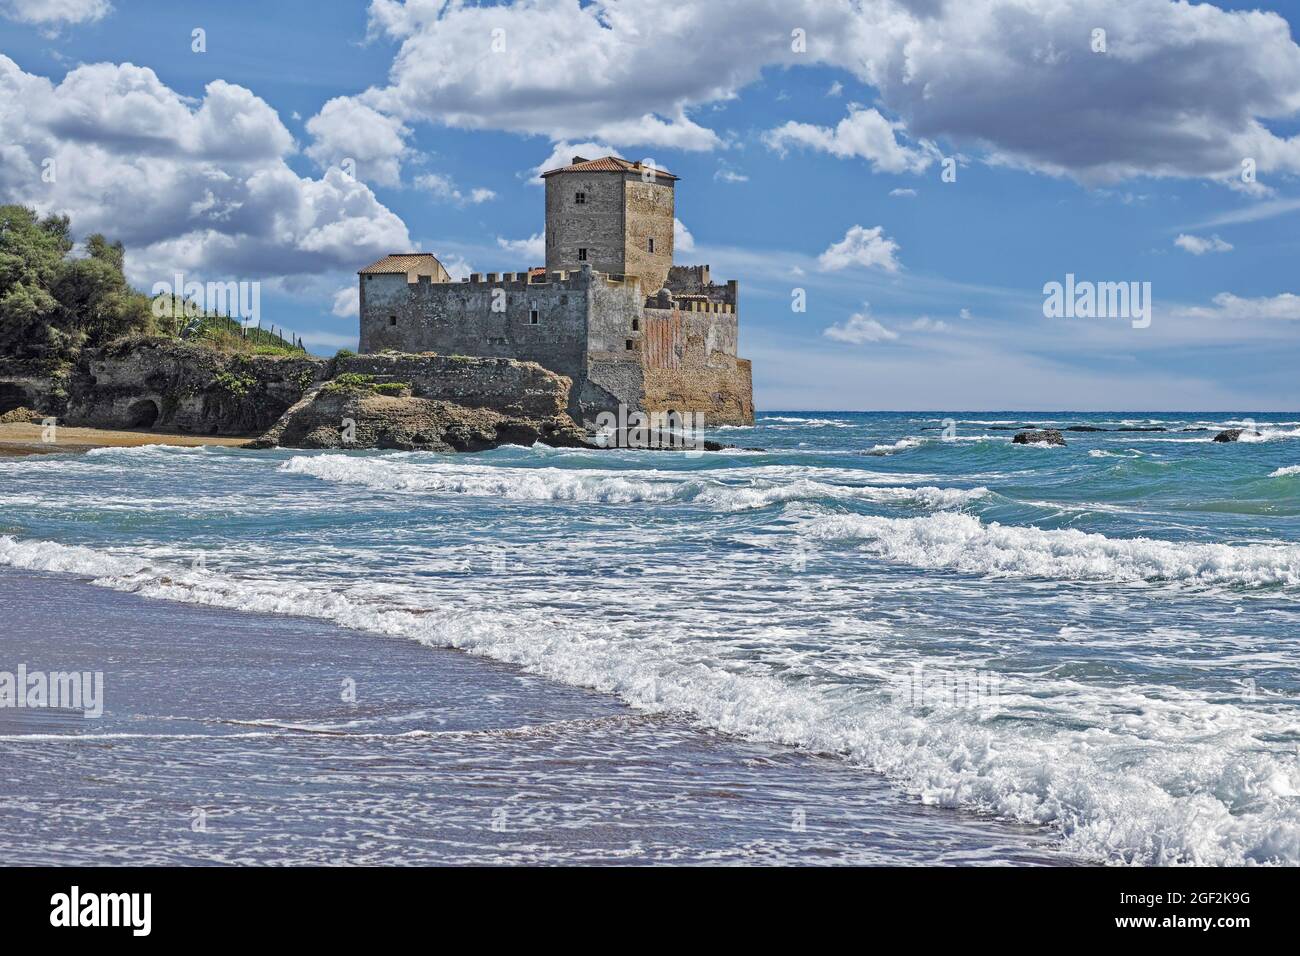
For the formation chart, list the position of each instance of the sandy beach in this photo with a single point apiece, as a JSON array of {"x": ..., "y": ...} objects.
[{"x": 22, "y": 438}]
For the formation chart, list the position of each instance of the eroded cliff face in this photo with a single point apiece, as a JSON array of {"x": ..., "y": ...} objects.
[
  {"x": 430, "y": 403},
  {"x": 388, "y": 400},
  {"x": 176, "y": 386}
]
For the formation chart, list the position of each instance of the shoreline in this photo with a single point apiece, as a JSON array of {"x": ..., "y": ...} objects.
[
  {"x": 443, "y": 757},
  {"x": 20, "y": 439}
]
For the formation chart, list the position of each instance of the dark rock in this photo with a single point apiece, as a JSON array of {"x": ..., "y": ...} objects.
[
  {"x": 1086, "y": 428},
  {"x": 1043, "y": 436},
  {"x": 1232, "y": 434},
  {"x": 1142, "y": 428}
]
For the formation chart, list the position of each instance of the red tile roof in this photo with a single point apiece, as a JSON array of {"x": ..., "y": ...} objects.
[
  {"x": 404, "y": 263},
  {"x": 606, "y": 164}
]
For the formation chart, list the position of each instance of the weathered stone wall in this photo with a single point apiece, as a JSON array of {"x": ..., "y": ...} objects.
[
  {"x": 459, "y": 318},
  {"x": 595, "y": 225},
  {"x": 176, "y": 386},
  {"x": 696, "y": 281},
  {"x": 502, "y": 385},
  {"x": 691, "y": 365},
  {"x": 648, "y": 214},
  {"x": 723, "y": 394}
]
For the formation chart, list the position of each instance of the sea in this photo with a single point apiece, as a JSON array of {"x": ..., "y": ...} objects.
[{"x": 853, "y": 638}]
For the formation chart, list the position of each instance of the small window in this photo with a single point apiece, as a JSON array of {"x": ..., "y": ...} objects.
[
  {"x": 392, "y": 320},
  {"x": 582, "y": 255},
  {"x": 533, "y": 317},
  {"x": 629, "y": 345},
  {"x": 651, "y": 245},
  {"x": 636, "y": 325},
  {"x": 579, "y": 198}
]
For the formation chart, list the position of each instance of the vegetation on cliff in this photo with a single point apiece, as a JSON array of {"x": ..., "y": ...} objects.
[{"x": 54, "y": 303}]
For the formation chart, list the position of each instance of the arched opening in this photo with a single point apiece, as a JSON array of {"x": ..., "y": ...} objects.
[
  {"x": 11, "y": 397},
  {"x": 142, "y": 414}
]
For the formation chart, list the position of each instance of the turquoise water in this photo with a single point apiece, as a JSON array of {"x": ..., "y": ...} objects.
[{"x": 1098, "y": 640}]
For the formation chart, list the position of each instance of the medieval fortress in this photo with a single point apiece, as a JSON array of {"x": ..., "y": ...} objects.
[{"x": 609, "y": 310}]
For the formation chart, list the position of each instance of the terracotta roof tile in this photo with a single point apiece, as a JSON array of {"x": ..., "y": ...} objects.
[
  {"x": 404, "y": 263},
  {"x": 606, "y": 164}
]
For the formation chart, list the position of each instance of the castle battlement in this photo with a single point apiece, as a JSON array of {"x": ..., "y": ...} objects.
[{"x": 609, "y": 310}]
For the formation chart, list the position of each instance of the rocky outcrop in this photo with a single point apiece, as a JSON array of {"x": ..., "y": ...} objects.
[
  {"x": 430, "y": 403},
  {"x": 1043, "y": 436},
  {"x": 1233, "y": 434},
  {"x": 177, "y": 386}
]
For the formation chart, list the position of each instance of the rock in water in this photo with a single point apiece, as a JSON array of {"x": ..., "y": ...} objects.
[
  {"x": 1042, "y": 436},
  {"x": 1232, "y": 434}
]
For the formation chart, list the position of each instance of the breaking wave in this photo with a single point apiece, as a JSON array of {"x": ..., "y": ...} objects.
[
  {"x": 961, "y": 542},
  {"x": 555, "y": 484},
  {"x": 1122, "y": 773}
]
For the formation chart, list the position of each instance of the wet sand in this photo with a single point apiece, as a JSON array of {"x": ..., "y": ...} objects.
[
  {"x": 20, "y": 438},
  {"x": 241, "y": 738}
]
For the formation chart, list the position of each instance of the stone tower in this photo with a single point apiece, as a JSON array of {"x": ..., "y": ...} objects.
[{"x": 615, "y": 215}]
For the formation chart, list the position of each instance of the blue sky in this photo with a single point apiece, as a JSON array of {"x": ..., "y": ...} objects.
[{"x": 1069, "y": 160}]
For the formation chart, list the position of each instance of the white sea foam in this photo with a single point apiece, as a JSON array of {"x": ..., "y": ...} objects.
[
  {"x": 1135, "y": 773},
  {"x": 1283, "y": 472},
  {"x": 901, "y": 445},
  {"x": 963, "y": 543},
  {"x": 554, "y": 484}
]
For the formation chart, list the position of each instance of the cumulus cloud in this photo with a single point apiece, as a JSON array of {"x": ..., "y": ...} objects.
[
  {"x": 1183, "y": 90},
  {"x": 725, "y": 175},
  {"x": 683, "y": 241},
  {"x": 562, "y": 154},
  {"x": 347, "y": 302},
  {"x": 863, "y": 134},
  {"x": 1198, "y": 245},
  {"x": 861, "y": 247},
  {"x": 903, "y": 193},
  {"x": 859, "y": 329},
  {"x": 614, "y": 70},
  {"x": 346, "y": 129},
  {"x": 55, "y": 12},
  {"x": 200, "y": 187},
  {"x": 533, "y": 248}
]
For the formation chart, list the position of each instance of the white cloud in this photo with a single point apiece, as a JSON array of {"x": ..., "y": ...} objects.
[
  {"x": 1198, "y": 245},
  {"x": 562, "y": 155},
  {"x": 457, "y": 266},
  {"x": 53, "y": 12},
  {"x": 347, "y": 302},
  {"x": 625, "y": 72},
  {"x": 863, "y": 134},
  {"x": 1185, "y": 89},
  {"x": 859, "y": 329},
  {"x": 903, "y": 193},
  {"x": 442, "y": 187},
  {"x": 927, "y": 324},
  {"x": 683, "y": 241},
  {"x": 836, "y": 89},
  {"x": 347, "y": 129},
  {"x": 725, "y": 175},
  {"x": 195, "y": 186},
  {"x": 861, "y": 247},
  {"x": 1285, "y": 307},
  {"x": 533, "y": 248}
]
